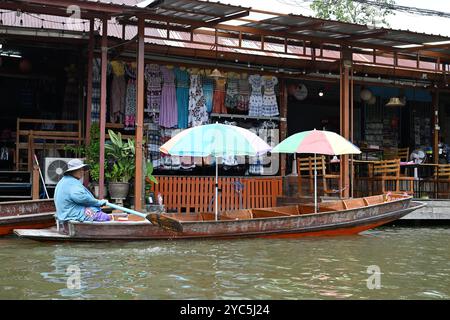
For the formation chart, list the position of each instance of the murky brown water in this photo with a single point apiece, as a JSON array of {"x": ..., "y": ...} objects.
[{"x": 414, "y": 264}]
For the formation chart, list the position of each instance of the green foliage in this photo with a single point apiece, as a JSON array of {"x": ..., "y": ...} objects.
[
  {"x": 123, "y": 155},
  {"x": 90, "y": 152},
  {"x": 353, "y": 12}
]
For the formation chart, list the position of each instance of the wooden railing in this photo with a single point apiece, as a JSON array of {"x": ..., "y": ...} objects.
[{"x": 196, "y": 194}]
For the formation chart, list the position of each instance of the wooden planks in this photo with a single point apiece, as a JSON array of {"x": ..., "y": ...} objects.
[{"x": 195, "y": 194}]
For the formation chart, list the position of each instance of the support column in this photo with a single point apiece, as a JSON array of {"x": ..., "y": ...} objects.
[
  {"x": 104, "y": 46},
  {"x": 435, "y": 117},
  {"x": 138, "y": 178},
  {"x": 283, "y": 123},
  {"x": 344, "y": 181},
  {"x": 89, "y": 81}
]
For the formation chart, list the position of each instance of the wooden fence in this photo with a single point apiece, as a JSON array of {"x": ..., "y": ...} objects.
[{"x": 196, "y": 194}]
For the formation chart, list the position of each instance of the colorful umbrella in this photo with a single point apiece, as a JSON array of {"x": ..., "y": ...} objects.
[
  {"x": 316, "y": 141},
  {"x": 217, "y": 140}
]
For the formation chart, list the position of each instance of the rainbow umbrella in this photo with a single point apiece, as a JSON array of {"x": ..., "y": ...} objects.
[
  {"x": 217, "y": 140},
  {"x": 316, "y": 141}
]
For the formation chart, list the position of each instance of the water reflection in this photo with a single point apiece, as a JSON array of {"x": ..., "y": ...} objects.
[{"x": 414, "y": 263}]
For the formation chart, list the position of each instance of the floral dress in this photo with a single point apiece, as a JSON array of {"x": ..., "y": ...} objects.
[
  {"x": 231, "y": 100},
  {"x": 197, "y": 106},
  {"x": 269, "y": 102},
  {"x": 256, "y": 99},
  {"x": 168, "y": 116},
  {"x": 153, "y": 77},
  {"x": 130, "y": 99},
  {"x": 243, "y": 98}
]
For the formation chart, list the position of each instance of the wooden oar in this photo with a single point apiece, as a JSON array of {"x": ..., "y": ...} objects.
[{"x": 155, "y": 218}]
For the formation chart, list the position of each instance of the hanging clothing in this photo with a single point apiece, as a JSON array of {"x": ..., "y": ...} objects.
[
  {"x": 231, "y": 100},
  {"x": 96, "y": 92},
  {"x": 182, "y": 91},
  {"x": 153, "y": 144},
  {"x": 118, "y": 92},
  {"x": 219, "y": 97},
  {"x": 168, "y": 115},
  {"x": 244, "y": 95},
  {"x": 197, "y": 106},
  {"x": 130, "y": 99},
  {"x": 256, "y": 99},
  {"x": 153, "y": 77},
  {"x": 270, "y": 106},
  {"x": 208, "y": 92}
]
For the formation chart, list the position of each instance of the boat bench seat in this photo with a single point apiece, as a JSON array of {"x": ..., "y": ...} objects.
[
  {"x": 186, "y": 216},
  {"x": 236, "y": 215},
  {"x": 289, "y": 210},
  {"x": 261, "y": 213}
]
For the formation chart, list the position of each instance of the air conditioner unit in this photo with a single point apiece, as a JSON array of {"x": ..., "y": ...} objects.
[{"x": 54, "y": 169}]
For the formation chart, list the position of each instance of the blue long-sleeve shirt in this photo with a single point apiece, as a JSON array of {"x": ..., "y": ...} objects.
[{"x": 71, "y": 198}]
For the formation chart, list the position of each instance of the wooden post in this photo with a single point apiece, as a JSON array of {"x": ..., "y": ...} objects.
[
  {"x": 283, "y": 122},
  {"x": 138, "y": 181},
  {"x": 435, "y": 117},
  {"x": 89, "y": 81},
  {"x": 344, "y": 183},
  {"x": 30, "y": 150},
  {"x": 35, "y": 182},
  {"x": 101, "y": 179}
]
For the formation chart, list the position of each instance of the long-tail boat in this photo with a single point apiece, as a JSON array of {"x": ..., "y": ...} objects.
[
  {"x": 341, "y": 217},
  {"x": 26, "y": 214}
]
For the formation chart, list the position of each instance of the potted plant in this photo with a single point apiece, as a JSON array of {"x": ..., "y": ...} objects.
[{"x": 121, "y": 165}]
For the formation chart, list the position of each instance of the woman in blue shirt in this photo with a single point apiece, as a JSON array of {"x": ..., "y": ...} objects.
[{"x": 73, "y": 200}]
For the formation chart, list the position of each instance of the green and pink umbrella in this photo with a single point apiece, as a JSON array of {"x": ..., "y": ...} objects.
[
  {"x": 217, "y": 140},
  {"x": 316, "y": 142}
]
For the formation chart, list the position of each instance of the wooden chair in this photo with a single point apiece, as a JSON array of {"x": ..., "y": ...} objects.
[
  {"x": 442, "y": 181},
  {"x": 387, "y": 172},
  {"x": 403, "y": 154},
  {"x": 305, "y": 170}
]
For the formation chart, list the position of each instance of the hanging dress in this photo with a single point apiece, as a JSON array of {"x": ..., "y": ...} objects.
[
  {"x": 197, "y": 106},
  {"x": 256, "y": 100},
  {"x": 182, "y": 90},
  {"x": 270, "y": 106},
  {"x": 208, "y": 92},
  {"x": 153, "y": 77},
  {"x": 219, "y": 97},
  {"x": 231, "y": 100},
  {"x": 96, "y": 91},
  {"x": 153, "y": 144},
  {"x": 168, "y": 115},
  {"x": 130, "y": 99},
  {"x": 243, "y": 98},
  {"x": 118, "y": 91}
]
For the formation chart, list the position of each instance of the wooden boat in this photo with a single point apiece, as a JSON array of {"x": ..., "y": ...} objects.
[
  {"x": 26, "y": 214},
  {"x": 342, "y": 217}
]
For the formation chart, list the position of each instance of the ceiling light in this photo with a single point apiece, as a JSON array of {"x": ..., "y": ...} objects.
[{"x": 321, "y": 93}]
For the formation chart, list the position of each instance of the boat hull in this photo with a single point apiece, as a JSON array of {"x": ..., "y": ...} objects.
[
  {"x": 30, "y": 214},
  {"x": 345, "y": 222}
]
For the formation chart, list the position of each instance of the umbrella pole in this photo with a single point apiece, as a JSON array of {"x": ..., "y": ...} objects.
[
  {"x": 216, "y": 190},
  {"x": 315, "y": 184}
]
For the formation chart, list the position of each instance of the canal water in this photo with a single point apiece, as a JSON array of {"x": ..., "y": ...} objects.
[{"x": 404, "y": 263}]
